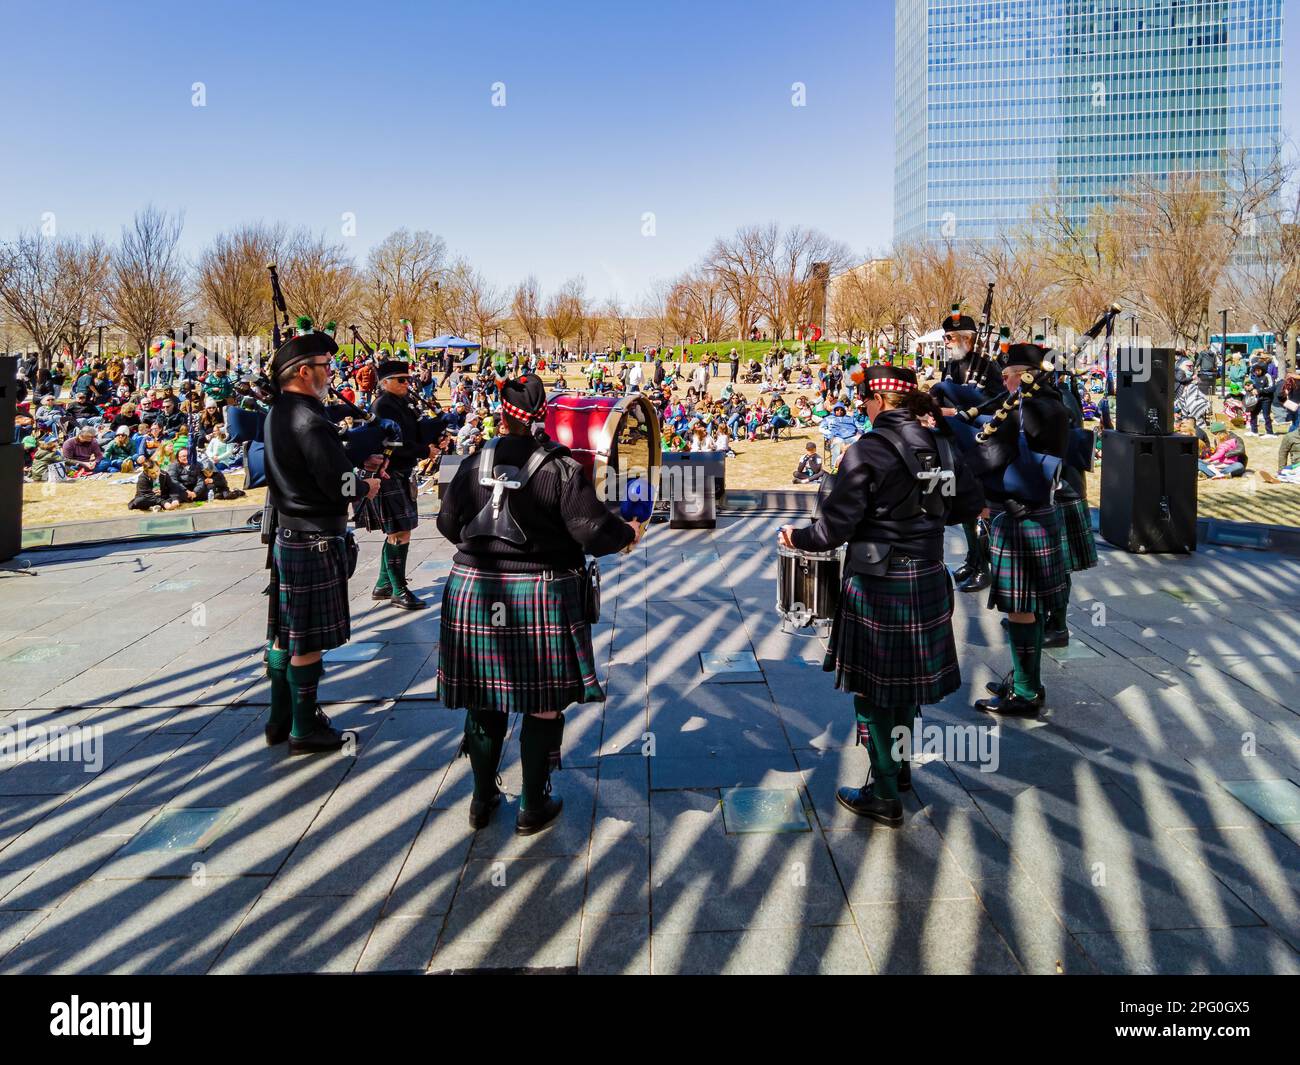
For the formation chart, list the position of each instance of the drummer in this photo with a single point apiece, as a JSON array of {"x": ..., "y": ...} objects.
[
  {"x": 514, "y": 633},
  {"x": 891, "y": 642}
]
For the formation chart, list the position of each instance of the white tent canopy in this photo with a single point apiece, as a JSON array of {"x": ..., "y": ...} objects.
[{"x": 931, "y": 338}]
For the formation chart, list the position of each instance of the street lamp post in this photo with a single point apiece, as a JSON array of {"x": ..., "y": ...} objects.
[{"x": 100, "y": 349}]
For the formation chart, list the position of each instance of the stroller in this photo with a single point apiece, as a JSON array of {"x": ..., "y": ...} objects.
[{"x": 753, "y": 372}]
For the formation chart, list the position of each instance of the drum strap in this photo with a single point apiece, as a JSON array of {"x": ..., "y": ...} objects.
[
  {"x": 495, "y": 519},
  {"x": 930, "y": 478}
]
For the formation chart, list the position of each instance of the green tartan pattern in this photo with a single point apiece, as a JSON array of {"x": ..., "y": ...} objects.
[
  {"x": 308, "y": 600},
  {"x": 1077, "y": 540},
  {"x": 1027, "y": 564},
  {"x": 892, "y": 640},
  {"x": 515, "y": 642},
  {"x": 392, "y": 510}
]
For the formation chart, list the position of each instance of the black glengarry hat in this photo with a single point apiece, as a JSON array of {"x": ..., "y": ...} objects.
[{"x": 524, "y": 397}]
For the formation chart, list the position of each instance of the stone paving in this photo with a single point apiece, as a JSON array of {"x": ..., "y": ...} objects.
[{"x": 1148, "y": 823}]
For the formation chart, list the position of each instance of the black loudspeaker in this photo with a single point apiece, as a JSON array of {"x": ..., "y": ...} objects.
[
  {"x": 1145, "y": 391},
  {"x": 1148, "y": 492},
  {"x": 11, "y": 500},
  {"x": 8, "y": 397}
]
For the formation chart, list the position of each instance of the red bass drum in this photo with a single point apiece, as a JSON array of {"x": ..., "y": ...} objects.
[{"x": 608, "y": 435}]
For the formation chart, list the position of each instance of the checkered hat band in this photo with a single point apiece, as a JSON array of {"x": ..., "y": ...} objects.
[
  {"x": 890, "y": 384},
  {"x": 518, "y": 413}
]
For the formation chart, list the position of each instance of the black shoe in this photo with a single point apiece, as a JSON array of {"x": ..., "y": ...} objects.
[
  {"x": 528, "y": 822},
  {"x": 1013, "y": 705},
  {"x": 405, "y": 600},
  {"x": 279, "y": 733},
  {"x": 1056, "y": 638},
  {"x": 863, "y": 802},
  {"x": 1000, "y": 687},
  {"x": 481, "y": 810},
  {"x": 976, "y": 582},
  {"x": 905, "y": 776},
  {"x": 322, "y": 738},
  {"x": 382, "y": 590},
  {"x": 963, "y": 572}
]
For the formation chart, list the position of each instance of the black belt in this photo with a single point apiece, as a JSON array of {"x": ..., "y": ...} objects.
[{"x": 324, "y": 525}]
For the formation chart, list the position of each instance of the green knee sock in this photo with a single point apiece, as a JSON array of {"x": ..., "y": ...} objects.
[
  {"x": 1056, "y": 619},
  {"x": 277, "y": 662},
  {"x": 485, "y": 734},
  {"x": 540, "y": 740},
  {"x": 385, "y": 577},
  {"x": 302, "y": 683},
  {"x": 880, "y": 745},
  {"x": 1027, "y": 657},
  {"x": 397, "y": 566}
]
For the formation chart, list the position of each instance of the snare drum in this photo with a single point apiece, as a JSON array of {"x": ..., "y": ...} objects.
[{"x": 808, "y": 586}]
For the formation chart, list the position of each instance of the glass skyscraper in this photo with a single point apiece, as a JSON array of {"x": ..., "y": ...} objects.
[{"x": 1000, "y": 103}]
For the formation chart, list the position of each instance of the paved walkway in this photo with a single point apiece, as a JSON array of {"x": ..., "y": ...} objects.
[{"x": 1149, "y": 823}]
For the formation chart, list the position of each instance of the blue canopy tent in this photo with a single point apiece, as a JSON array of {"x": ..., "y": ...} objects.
[{"x": 446, "y": 341}]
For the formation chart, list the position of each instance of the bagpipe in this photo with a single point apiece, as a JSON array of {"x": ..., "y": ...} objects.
[
  {"x": 983, "y": 369},
  {"x": 995, "y": 445}
]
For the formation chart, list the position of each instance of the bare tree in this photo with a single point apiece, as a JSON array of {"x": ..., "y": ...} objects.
[
  {"x": 619, "y": 321},
  {"x": 147, "y": 293},
  {"x": 934, "y": 277},
  {"x": 1023, "y": 282},
  {"x": 408, "y": 269},
  {"x": 84, "y": 269},
  {"x": 563, "y": 315},
  {"x": 738, "y": 262},
  {"x": 526, "y": 306},
  {"x": 231, "y": 279},
  {"x": 53, "y": 290},
  {"x": 485, "y": 305},
  {"x": 319, "y": 279}
]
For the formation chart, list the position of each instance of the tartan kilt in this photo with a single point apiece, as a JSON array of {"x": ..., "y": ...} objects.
[
  {"x": 1077, "y": 541},
  {"x": 891, "y": 639},
  {"x": 1027, "y": 563},
  {"x": 537, "y": 658},
  {"x": 392, "y": 510},
  {"x": 308, "y": 608}
]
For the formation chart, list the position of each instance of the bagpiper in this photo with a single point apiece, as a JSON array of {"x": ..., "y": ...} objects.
[
  {"x": 394, "y": 511},
  {"x": 516, "y": 621},
  {"x": 1018, "y": 457},
  {"x": 1078, "y": 543},
  {"x": 311, "y": 484},
  {"x": 964, "y": 387},
  {"x": 891, "y": 642}
]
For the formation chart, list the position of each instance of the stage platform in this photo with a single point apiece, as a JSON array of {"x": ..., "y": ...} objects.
[{"x": 1149, "y": 822}]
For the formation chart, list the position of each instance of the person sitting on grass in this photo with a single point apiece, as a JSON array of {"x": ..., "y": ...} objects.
[
  {"x": 195, "y": 483},
  {"x": 119, "y": 456},
  {"x": 81, "y": 452},
  {"x": 840, "y": 430},
  {"x": 47, "y": 459},
  {"x": 1228, "y": 459},
  {"x": 221, "y": 453},
  {"x": 153, "y": 489},
  {"x": 809, "y": 469}
]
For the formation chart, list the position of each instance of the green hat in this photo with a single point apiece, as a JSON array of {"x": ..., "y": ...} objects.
[{"x": 1218, "y": 427}]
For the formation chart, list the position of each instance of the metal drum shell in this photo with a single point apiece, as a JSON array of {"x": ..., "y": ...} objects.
[{"x": 811, "y": 579}]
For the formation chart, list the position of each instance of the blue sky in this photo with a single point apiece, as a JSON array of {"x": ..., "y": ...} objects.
[{"x": 385, "y": 110}]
